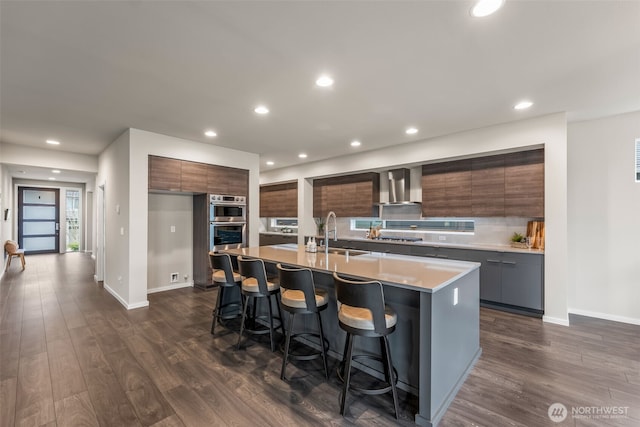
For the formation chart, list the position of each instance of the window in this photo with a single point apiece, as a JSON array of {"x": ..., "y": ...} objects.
[
  {"x": 638, "y": 160},
  {"x": 421, "y": 225}
]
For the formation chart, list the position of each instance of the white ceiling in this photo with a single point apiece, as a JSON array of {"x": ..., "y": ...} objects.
[{"x": 83, "y": 72}]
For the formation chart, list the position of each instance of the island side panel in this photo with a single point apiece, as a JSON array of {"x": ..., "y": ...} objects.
[{"x": 455, "y": 340}]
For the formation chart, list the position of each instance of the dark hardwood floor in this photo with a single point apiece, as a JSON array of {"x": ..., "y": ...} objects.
[{"x": 71, "y": 355}]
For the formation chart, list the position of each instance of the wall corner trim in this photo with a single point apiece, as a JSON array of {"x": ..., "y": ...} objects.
[
  {"x": 121, "y": 300},
  {"x": 556, "y": 320}
]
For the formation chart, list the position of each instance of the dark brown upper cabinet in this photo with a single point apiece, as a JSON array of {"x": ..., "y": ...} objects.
[
  {"x": 279, "y": 200},
  {"x": 524, "y": 184},
  {"x": 347, "y": 196},
  {"x": 446, "y": 189},
  {"x": 487, "y": 186},
  {"x": 165, "y": 174},
  {"x": 491, "y": 186},
  {"x": 194, "y": 177}
]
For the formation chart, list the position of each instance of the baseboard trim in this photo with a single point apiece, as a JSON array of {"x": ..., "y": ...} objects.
[
  {"x": 555, "y": 320},
  {"x": 121, "y": 300},
  {"x": 170, "y": 287},
  {"x": 605, "y": 316}
]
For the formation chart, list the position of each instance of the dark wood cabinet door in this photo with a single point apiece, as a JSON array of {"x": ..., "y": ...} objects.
[
  {"x": 434, "y": 196},
  {"x": 458, "y": 188},
  {"x": 226, "y": 180},
  {"x": 165, "y": 174},
  {"x": 347, "y": 196},
  {"x": 194, "y": 177},
  {"x": 487, "y": 186},
  {"x": 524, "y": 184},
  {"x": 279, "y": 200}
]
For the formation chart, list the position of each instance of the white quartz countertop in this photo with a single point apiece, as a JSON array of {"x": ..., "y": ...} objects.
[
  {"x": 474, "y": 246},
  {"x": 411, "y": 272}
]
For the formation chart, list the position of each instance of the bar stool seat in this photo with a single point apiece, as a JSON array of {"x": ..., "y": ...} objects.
[
  {"x": 300, "y": 296},
  {"x": 226, "y": 279},
  {"x": 295, "y": 299},
  {"x": 219, "y": 276},
  {"x": 361, "y": 318},
  {"x": 254, "y": 288},
  {"x": 250, "y": 284},
  {"x": 362, "y": 312}
]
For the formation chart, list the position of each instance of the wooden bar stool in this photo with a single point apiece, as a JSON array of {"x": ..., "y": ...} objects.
[
  {"x": 226, "y": 279},
  {"x": 300, "y": 296},
  {"x": 362, "y": 312},
  {"x": 255, "y": 287},
  {"x": 12, "y": 249}
]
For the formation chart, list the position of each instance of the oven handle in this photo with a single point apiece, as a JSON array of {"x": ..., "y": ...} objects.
[{"x": 227, "y": 222}]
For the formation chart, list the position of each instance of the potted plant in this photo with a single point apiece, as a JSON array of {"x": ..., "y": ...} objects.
[{"x": 320, "y": 226}]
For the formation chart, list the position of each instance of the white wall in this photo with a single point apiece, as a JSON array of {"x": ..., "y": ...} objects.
[
  {"x": 136, "y": 145},
  {"x": 5, "y": 202},
  {"x": 170, "y": 252},
  {"x": 604, "y": 208},
  {"x": 548, "y": 131},
  {"x": 114, "y": 175}
]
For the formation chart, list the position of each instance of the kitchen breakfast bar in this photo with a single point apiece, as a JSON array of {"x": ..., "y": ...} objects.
[{"x": 436, "y": 341}]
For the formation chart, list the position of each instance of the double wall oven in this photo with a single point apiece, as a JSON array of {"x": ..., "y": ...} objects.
[{"x": 227, "y": 222}]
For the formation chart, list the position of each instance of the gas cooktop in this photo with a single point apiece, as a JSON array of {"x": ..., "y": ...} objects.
[{"x": 399, "y": 239}]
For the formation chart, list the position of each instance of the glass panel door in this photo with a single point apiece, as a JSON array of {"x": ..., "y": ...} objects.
[
  {"x": 73, "y": 220},
  {"x": 38, "y": 219}
]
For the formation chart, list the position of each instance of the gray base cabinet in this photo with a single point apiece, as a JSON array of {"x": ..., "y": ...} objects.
[{"x": 508, "y": 280}]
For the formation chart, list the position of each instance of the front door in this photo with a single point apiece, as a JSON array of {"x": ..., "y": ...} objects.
[{"x": 39, "y": 220}]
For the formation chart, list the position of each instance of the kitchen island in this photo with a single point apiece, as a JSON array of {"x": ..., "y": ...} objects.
[{"x": 436, "y": 341}]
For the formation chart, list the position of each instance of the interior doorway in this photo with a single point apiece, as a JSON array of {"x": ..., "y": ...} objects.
[{"x": 39, "y": 220}]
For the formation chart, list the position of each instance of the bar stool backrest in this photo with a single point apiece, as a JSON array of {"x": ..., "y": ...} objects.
[
  {"x": 299, "y": 279},
  {"x": 254, "y": 268},
  {"x": 222, "y": 262},
  {"x": 368, "y": 295}
]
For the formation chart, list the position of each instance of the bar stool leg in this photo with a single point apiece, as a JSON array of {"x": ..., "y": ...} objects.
[
  {"x": 324, "y": 350},
  {"x": 280, "y": 314},
  {"x": 347, "y": 371},
  {"x": 244, "y": 318},
  {"x": 216, "y": 311},
  {"x": 389, "y": 372},
  {"x": 286, "y": 345},
  {"x": 270, "y": 324}
]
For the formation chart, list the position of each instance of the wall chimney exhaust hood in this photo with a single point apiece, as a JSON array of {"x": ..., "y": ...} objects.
[{"x": 399, "y": 187}]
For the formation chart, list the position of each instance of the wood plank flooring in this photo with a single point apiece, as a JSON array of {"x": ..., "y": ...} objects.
[{"x": 71, "y": 355}]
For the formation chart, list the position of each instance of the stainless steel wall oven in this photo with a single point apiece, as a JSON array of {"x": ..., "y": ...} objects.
[{"x": 227, "y": 222}]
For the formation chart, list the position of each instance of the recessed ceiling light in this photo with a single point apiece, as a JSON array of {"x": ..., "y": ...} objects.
[
  {"x": 210, "y": 133},
  {"x": 324, "y": 81},
  {"x": 55, "y": 171},
  {"x": 51, "y": 178},
  {"x": 411, "y": 131},
  {"x": 302, "y": 155},
  {"x": 270, "y": 163},
  {"x": 522, "y": 105},
  {"x": 53, "y": 142},
  {"x": 484, "y": 8},
  {"x": 261, "y": 109},
  {"x": 355, "y": 143}
]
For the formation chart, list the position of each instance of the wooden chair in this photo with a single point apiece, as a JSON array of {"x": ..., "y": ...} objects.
[{"x": 12, "y": 249}]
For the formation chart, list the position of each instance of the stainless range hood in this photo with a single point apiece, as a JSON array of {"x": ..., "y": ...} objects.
[{"x": 399, "y": 187}]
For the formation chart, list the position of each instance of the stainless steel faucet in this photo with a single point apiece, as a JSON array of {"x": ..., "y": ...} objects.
[{"x": 332, "y": 214}]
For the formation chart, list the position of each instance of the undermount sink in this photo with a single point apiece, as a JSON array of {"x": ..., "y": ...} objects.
[{"x": 346, "y": 252}]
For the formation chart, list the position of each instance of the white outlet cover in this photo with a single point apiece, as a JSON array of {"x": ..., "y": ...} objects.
[
  {"x": 455, "y": 296},
  {"x": 173, "y": 228}
]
